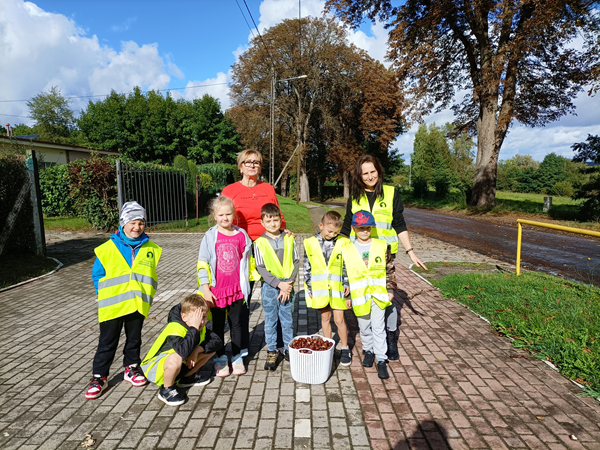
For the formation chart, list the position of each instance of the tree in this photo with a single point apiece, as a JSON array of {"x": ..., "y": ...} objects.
[
  {"x": 322, "y": 111},
  {"x": 551, "y": 171},
  {"x": 461, "y": 154},
  {"x": 431, "y": 152},
  {"x": 589, "y": 190},
  {"x": 515, "y": 59},
  {"x": 53, "y": 118}
]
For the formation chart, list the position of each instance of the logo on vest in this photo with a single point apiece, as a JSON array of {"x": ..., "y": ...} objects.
[
  {"x": 378, "y": 259},
  {"x": 149, "y": 261},
  {"x": 382, "y": 205},
  {"x": 150, "y": 255},
  {"x": 339, "y": 255}
]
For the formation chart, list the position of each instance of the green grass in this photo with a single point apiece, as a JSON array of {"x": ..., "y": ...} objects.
[
  {"x": 67, "y": 224},
  {"x": 553, "y": 319},
  {"x": 297, "y": 217},
  {"x": 14, "y": 269},
  {"x": 563, "y": 208}
]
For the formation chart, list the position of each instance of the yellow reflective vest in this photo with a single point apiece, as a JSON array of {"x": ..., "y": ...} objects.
[
  {"x": 271, "y": 260},
  {"x": 383, "y": 213},
  {"x": 325, "y": 278},
  {"x": 367, "y": 283},
  {"x": 153, "y": 364},
  {"x": 124, "y": 290}
]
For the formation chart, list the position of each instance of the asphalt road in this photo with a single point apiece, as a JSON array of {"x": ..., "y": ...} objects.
[{"x": 573, "y": 256}]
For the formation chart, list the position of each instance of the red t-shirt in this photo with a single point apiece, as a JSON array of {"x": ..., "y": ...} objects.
[{"x": 248, "y": 201}]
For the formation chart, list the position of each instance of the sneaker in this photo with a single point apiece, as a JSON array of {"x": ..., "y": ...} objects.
[
  {"x": 97, "y": 385},
  {"x": 271, "y": 363},
  {"x": 134, "y": 375},
  {"x": 346, "y": 358},
  {"x": 238, "y": 366},
  {"x": 195, "y": 379},
  {"x": 392, "y": 345},
  {"x": 369, "y": 359},
  {"x": 222, "y": 370},
  {"x": 170, "y": 396},
  {"x": 382, "y": 371}
]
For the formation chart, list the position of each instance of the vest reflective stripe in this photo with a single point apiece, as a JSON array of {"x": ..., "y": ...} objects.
[
  {"x": 326, "y": 279},
  {"x": 124, "y": 290},
  {"x": 384, "y": 215},
  {"x": 153, "y": 364},
  {"x": 367, "y": 283},
  {"x": 254, "y": 275},
  {"x": 271, "y": 260}
]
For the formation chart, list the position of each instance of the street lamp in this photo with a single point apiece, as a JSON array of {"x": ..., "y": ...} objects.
[{"x": 272, "y": 152}]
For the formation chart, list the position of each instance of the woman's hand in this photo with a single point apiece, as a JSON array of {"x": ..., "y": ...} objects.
[
  {"x": 286, "y": 231},
  {"x": 416, "y": 261}
]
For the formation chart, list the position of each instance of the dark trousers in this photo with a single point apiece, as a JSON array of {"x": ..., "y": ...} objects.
[
  {"x": 110, "y": 331},
  {"x": 238, "y": 316}
]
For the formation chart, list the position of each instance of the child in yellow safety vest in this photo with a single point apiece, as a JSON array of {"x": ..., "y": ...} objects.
[
  {"x": 325, "y": 280},
  {"x": 370, "y": 268},
  {"x": 277, "y": 262},
  {"x": 124, "y": 275},
  {"x": 181, "y": 350}
]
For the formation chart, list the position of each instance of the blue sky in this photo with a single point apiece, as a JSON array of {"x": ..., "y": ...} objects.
[{"x": 90, "y": 47}]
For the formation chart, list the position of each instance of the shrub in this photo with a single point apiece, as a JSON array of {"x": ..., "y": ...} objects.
[
  {"x": 221, "y": 174},
  {"x": 190, "y": 176},
  {"x": 562, "y": 189},
  {"x": 420, "y": 187},
  {"x": 54, "y": 186}
]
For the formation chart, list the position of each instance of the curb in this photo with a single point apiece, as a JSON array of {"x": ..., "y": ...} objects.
[{"x": 36, "y": 278}]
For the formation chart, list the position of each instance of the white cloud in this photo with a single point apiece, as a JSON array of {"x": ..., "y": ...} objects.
[
  {"x": 216, "y": 87},
  {"x": 39, "y": 50},
  {"x": 123, "y": 26}
]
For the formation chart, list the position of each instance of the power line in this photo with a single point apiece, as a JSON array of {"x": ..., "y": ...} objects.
[
  {"x": 245, "y": 20},
  {"x": 123, "y": 93},
  {"x": 259, "y": 35}
]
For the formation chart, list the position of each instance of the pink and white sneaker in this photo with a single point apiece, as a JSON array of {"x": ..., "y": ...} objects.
[
  {"x": 97, "y": 386},
  {"x": 238, "y": 367},
  {"x": 222, "y": 370},
  {"x": 134, "y": 375}
]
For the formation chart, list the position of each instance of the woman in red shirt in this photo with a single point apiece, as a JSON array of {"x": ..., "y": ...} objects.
[{"x": 249, "y": 195}]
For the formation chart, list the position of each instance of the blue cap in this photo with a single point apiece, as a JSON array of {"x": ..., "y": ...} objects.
[{"x": 363, "y": 219}]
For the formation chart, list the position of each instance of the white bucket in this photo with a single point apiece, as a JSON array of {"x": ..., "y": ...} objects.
[{"x": 313, "y": 367}]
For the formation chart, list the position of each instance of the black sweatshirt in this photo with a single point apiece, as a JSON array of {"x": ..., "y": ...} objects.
[
  {"x": 398, "y": 223},
  {"x": 184, "y": 346}
]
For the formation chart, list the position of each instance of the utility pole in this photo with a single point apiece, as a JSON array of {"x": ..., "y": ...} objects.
[{"x": 272, "y": 155}]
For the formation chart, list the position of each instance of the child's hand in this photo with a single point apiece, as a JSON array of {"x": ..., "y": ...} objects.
[
  {"x": 197, "y": 319},
  {"x": 191, "y": 360},
  {"x": 283, "y": 297},
  {"x": 346, "y": 291},
  {"x": 349, "y": 303},
  {"x": 391, "y": 296},
  {"x": 286, "y": 287},
  {"x": 208, "y": 295}
]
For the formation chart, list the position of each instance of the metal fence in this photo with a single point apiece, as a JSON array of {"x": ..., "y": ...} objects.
[{"x": 160, "y": 190}]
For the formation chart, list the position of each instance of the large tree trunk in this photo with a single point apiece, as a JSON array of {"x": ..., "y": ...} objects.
[
  {"x": 284, "y": 182},
  {"x": 346, "y": 184},
  {"x": 484, "y": 182},
  {"x": 304, "y": 188}
]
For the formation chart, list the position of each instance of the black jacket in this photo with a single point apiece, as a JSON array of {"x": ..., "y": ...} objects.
[{"x": 184, "y": 346}]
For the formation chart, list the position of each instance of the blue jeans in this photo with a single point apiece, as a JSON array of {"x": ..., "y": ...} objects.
[{"x": 274, "y": 310}]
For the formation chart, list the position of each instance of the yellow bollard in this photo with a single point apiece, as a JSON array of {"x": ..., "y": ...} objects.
[{"x": 520, "y": 232}]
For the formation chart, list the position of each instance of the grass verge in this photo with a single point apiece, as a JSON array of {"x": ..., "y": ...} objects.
[
  {"x": 297, "y": 218},
  {"x": 14, "y": 269},
  {"x": 67, "y": 224},
  {"x": 553, "y": 319}
]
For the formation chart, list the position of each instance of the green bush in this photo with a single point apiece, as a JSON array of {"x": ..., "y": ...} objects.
[
  {"x": 54, "y": 186},
  {"x": 420, "y": 187},
  {"x": 221, "y": 174},
  {"x": 562, "y": 189},
  {"x": 190, "y": 177}
]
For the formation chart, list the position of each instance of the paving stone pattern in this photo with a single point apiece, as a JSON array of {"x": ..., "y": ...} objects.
[{"x": 456, "y": 385}]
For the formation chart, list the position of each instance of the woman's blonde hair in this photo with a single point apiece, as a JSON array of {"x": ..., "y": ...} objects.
[
  {"x": 243, "y": 156},
  {"x": 219, "y": 202}
]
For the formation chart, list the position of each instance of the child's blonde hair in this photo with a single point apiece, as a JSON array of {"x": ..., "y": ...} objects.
[
  {"x": 193, "y": 302},
  {"x": 219, "y": 202}
]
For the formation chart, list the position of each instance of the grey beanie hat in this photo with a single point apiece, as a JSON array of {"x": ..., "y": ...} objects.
[{"x": 132, "y": 211}]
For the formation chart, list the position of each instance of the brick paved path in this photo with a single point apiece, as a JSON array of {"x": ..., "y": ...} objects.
[{"x": 456, "y": 385}]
